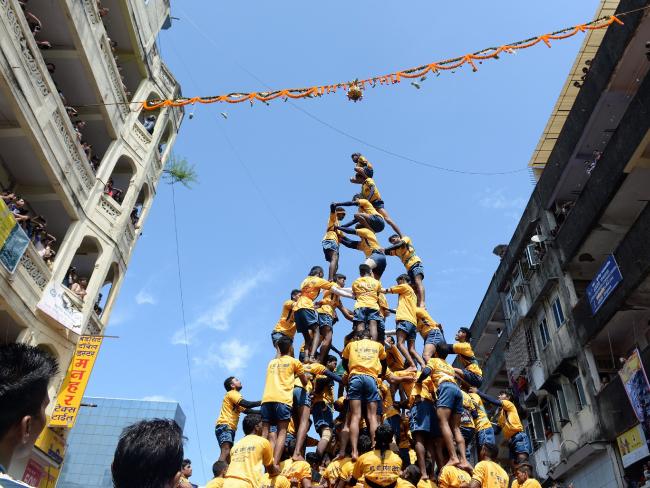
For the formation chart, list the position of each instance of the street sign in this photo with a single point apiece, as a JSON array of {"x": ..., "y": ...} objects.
[{"x": 605, "y": 282}]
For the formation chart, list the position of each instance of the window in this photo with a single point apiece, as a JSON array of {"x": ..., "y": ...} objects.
[
  {"x": 579, "y": 390},
  {"x": 531, "y": 434},
  {"x": 530, "y": 345},
  {"x": 548, "y": 420},
  {"x": 543, "y": 332},
  {"x": 562, "y": 409},
  {"x": 558, "y": 314},
  {"x": 537, "y": 428}
]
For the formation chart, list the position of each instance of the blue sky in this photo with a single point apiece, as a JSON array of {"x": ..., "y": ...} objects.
[{"x": 251, "y": 229}]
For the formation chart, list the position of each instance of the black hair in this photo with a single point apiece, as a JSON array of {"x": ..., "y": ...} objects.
[
  {"x": 507, "y": 393},
  {"x": 312, "y": 457},
  {"x": 330, "y": 358},
  {"x": 364, "y": 269},
  {"x": 368, "y": 171},
  {"x": 364, "y": 444},
  {"x": 293, "y": 292},
  {"x": 356, "y": 196},
  {"x": 148, "y": 454},
  {"x": 492, "y": 450},
  {"x": 284, "y": 344},
  {"x": 355, "y": 156},
  {"x": 394, "y": 236},
  {"x": 383, "y": 437},
  {"x": 412, "y": 474},
  {"x": 25, "y": 372},
  {"x": 250, "y": 422},
  {"x": 315, "y": 270},
  {"x": 466, "y": 331},
  {"x": 186, "y": 462},
  {"x": 290, "y": 447},
  {"x": 364, "y": 334},
  {"x": 404, "y": 277},
  {"x": 391, "y": 338},
  {"x": 227, "y": 383},
  {"x": 525, "y": 468},
  {"x": 219, "y": 468},
  {"x": 338, "y": 276}
]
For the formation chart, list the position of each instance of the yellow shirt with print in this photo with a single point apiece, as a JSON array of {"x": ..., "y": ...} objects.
[
  {"x": 419, "y": 392},
  {"x": 387, "y": 401},
  {"x": 333, "y": 471},
  {"x": 367, "y": 208},
  {"x": 426, "y": 484},
  {"x": 248, "y": 457},
  {"x": 329, "y": 303},
  {"x": 373, "y": 468},
  {"x": 280, "y": 376},
  {"x": 394, "y": 359},
  {"x": 286, "y": 325},
  {"x": 331, "y": 234},
  {"x": 406, "y": 253},
  {"x": 215, "y": 483},
  {"x": 402, "y": 483},
  {"x": 441, "y": 371},
  {"x": 452, "y": 477},
  {"x": 482, "y": 421},
  {"x": 369, "y": 191},
  {"x": 467, "y": 420},
  {"x": 295, "y": 471},
  {"x": 467, "y": 358},
  {"x": 529, "y": 483},
  {"x": 347, "y": 467},
  {"x": 383, "y": 305},
  {"x": 366, "y": 291},
  {"x": 369, "y": 242},
  {"x": 364, "y": 357},
  {"x": 311, "y": 370},
  {"x": 406, "y": 303},
  {"x": 425, "y": 323},
  {"x": 323, "y": 387},
  {"x": 230, "y": 410},
  {"x": 310, "y": 289},
  {"x": 509, "y": 419},
  {"x": 490, "y": 475}
]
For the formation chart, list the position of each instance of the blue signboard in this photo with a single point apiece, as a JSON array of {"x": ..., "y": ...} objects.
[{"x": 605, "y": 282}]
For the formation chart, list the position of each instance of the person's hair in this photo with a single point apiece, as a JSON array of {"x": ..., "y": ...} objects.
[
  {"x": 186, "y": 462},
  {"x": 218, "y": 468},
  {"x": 227, "y": 383},
  {"x": 356, "y": 197},
  {"x": 250, "y": 422},
  {"x": 392, "y": 339},
  {"x": 312, "y": 457},
  {"x": 507, "y": 393},
  {"x": 525, "y": 468},
  {"x": 355, "y": 156},
  {"x": 330, "y": 358},
  {"x": 25, "y": 372},
  {"x": 338, "y": 276},
  {"x": 294, "y": 292},
  {"x": 315, "y": 270},
  {"x": 364, "y": 269},
  {"x": 394, "y": 236},
  {"x": 403, "y": 277},
  {"x": 364, "y": 444},
  {"x": 148, "y": 454},
  {"x": 368, "y": 171},
  {"x": 363, "y": 334},
  {"x": 290, "y": 447},
  {"x": 465, "y": 330},
  {"x": 412, "y": 474},
  {"x": 284, "y": 344},
  {"x": 492, "y": 450},
  {"x": 383, "y": 438}
]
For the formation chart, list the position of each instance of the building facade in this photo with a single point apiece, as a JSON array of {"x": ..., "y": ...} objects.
[
  {"x": 92, "y": 442},
  {"x": 549, "y": 327},
  {"x": 83, "y": 158}
]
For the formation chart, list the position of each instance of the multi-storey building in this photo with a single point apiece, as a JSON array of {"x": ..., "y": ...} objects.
[
  {"x": 69, "y": 135},
  {"x": 540, "y": 329},
  {"x": 92, "y": 443}
]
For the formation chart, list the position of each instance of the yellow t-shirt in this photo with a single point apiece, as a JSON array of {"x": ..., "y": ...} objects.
[
  {"x": 248, "y": 457},
  {"x": 333, "y": 471},
  {"x": 406, "y": 304},
  {"x": 402, "y": 483},
  {"x": 230, "y": 409},
  {"x": 425, "y": 323},
  {"x": 286, "y": 325},
  {"x": 364, "y": 357},
  {"x": 409, "y": 382},
  {"x": 509, "y": 419},
  {"x": 215, "y": 483},
  {"x": 326, "y": 393},
  {"x": 366, "y": 291},
  {"x": 310, "y": 289},
  {"x": 529, "y": 483},
  {"x": 347, "y": 467},
  {"x": 295, "y": 470},
  {"x": 331, "y": 234},
  {"x": 466, "y": 420},
  {"x": 311, "y": 370},
  {"x": 482, "y": 421},
  {"x": 452, "y": 477},
  {"x": 394, "y": 359},
  {"x": 367, "y": 208},
  {"x": 381, "y": 472},
  {"x": 441, "y": 371},
  {"x": 490, "y": 475},
  {"x": 387, "y": 401},
  {"x": 369, "y": 242},
  {"x": 426, "y": 484},
  {"x": 383, "y": 305},
  {"x": 418, "y": 392},
  {"x": 280, "y": 376},
  {"x": 329, "y": 302},
  {"x": 467, "y": 358},
  {"x": 406, "y": 253},
  {"x": 369, "y": 190}
]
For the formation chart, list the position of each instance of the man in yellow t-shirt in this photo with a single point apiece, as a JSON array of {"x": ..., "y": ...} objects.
[
  {"x": 327, "y": 316},
  {"x": 431, "y": 332},
  {"x": 298, "y": 472},
  {"x": 406, "y": 318},
  {"x": 369, "y": 246},
  {"x": 380, "y": 467},
  {"x": 218, "y": 470},
  {"x": 452, "y": 477},
  {"x": 277, "y": 398},
  {"x": 366, "y": 290},
  {"x": 484, "y": 430},
  {"x": 471, "y": 372},
  {"x": 524, "y": 477},
  {"x": 402, "y": 247},
  {"x": 249, "y": 457},
  {"x": 367, "y": 216},
  {"x": 233, "y": 404},
  {"x": 410, "y": 477},
  {"x": 394, "y": 359},
  {"x": 286, "y": 325},
  {"x": 364, "y": 360},
  {"x": 331, "y": 240},
  {"x": 487, "y": 473}
]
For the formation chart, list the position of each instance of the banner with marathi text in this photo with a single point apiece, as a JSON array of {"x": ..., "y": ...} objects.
[
  {"x": 13, "y": 239},
  {"x": 635, "y": 382},
  {"x": 74, "y": 385}
]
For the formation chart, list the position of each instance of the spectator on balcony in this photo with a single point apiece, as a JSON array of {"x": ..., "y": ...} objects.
[
  {"x": 21, "y": 214},
  {"x": 111, "y": 191},
  {"x": 103, "y": 11},
  {"x": 78, "y": 127},
  {"x": 135, "y": 215},
  {"x": 94, "y": 163},
  {"x": 79, "y": 288},
  {"x": 150, "y": 123},
  {"x": 87, "y": 149},
  {"x": 8, "y": 197},
  {"x": 71, "y": 277},
  {"x": 97, "y": 307}
]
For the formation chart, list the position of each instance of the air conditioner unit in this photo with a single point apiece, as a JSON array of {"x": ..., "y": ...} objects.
[{"x": 531, "y": 255}]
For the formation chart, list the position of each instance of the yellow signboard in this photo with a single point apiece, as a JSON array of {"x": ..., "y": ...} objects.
[
  {"x": 74, "y": 384},
  {"x": 632, "y": 445},
  {"x": 7, "y": 222},
  {"x": 51, "y": 444}
]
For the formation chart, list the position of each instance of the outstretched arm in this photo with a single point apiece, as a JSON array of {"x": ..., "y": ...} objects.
[
  {"x": 426, "y": 372},
  {"x": 394, "y": 246},
  {"x": 342, "y": 292},
  {"x": 344, "y": 204},
  {"x": 333, "y": 376},
  {"x": 248, "y": 404},
  {"x": 347, "y": 231},
  {"x": 488, "y": 398},
  {"x": 351, "y": 223}
]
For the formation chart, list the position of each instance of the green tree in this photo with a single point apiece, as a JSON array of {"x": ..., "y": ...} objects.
[{"x": 179, "y": 170}]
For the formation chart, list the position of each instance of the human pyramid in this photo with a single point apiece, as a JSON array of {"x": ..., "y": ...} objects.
[{"x": 404, "y": 419}]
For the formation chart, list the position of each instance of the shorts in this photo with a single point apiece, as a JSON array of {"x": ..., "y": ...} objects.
[
  {"x": 224, "y": 434},
  {"x": 519, "y": 444},
  {"x": 325, "y": 320},
  {"x": 420, "y": 419},
  {"x": 485, "y": 436},
  {"x": 322, "y": 415},
  {"x": 300, "y": 397},
  {"x": 435, "y": 336},
  {"x": 377, "y": 262},
  {"x": 416, "y": 269},
  {"x": 409, "y": 328},
  {"x": 276, "y": 336},
  {"x": 329, "y": 248},
  {"x": 306, "y": 319},
  {"x": 377, "y": 222},
  {"x": 274, "y": 412},
  {"x": 450, "y": 396},
  {"x": 378, "y": 204},
  {"x": 363, "y": 387},
  {"x": 365, "y": 315},
  {"x": 395, "y": 423},
  {"x": 468, "y": 434},
  {"x": 289, "y": 439},
  {"x": 472, "y": 378}
]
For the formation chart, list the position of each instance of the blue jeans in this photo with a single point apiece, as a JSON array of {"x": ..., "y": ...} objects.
[
  {"x": 322, "y": 415},
  {"x": 224, "y": 433},
  {"x": 376, "y": 222},
  {"x": 363, "y": 387},
  {"x": 416, "y": 269},
  {"x": 380, "y": 262},
  {"x": 300, "y": 397},
  {"x": 365, "y": 315},
  {"x": 420, "y": 419},
  {"x": 306, "y": 319},
  {"x": 324, "y": 320},
  {"x": 409, "y": 328},
  {"x": 435, "y": 337},
  {"x": 395, "y": 424},
  {"x": 519, "y": 444},
  {"x": 468, "y": 435},
  {"x": 329, "y": 248},
  {"x": 274, "y": 412},
  {"x": 450, "y": 396},
  {"x": 485, "y": 436},
  {"x": 276, "y": 336}
]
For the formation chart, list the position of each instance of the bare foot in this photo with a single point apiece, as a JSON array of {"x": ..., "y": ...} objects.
[
  {"x": 340, "y": 455},
  {"x": 412, "y": 368},
  {"x": 453, "y": 461},
  {"x": 354, "y": 456},
  {"x": 466, "y": 467},
  {"x": 297, "y": 457}
]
